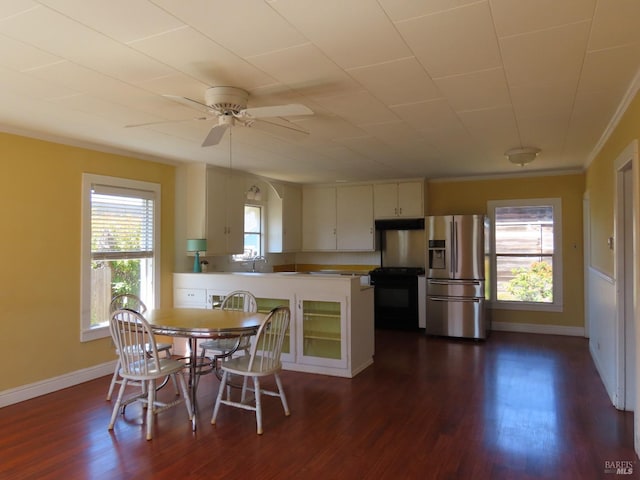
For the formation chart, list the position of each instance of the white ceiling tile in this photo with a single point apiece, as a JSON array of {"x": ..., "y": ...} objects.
[
  {"x": 306, "y": 69},
  {"x": 191, "y": 52},
  {"x": 142, "y": 19},
  {"x": 61, "y": 36},
  {"x": 477, "y": 90},
  {"x": 545, "y": 56},
  {"x": 615, "y": 23},
  {"x": 20, "y": 56},
  {"x": 405, "y": 9},
  {"x": 431, "y": 115},
  {"x": 397, "y": 82},
  {"x": 28, "y": 85},
  {"x": 247, "y": 28},
  {"x": 357, "y": 107},
  {"x": 455, "y": 41},
  {"x": 495, "y": 128},
  {"x": 358, "y": 35},
  {"x": 9, "y": 8},
  {"x": 610, "y": 69},
  {"x": 517, "y": 17}
]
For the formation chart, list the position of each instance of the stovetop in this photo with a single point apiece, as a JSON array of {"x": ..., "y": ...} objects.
[{"x": 407, "y": 271}]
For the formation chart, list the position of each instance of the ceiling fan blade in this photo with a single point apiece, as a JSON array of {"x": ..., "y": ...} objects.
[
  {"x": 164, "y": 122},
  {"x": 279, "y": 129},
  {"x": 189, "y": 103},
  {"x": 289, "y": 110},
  {"x": 215, "y": 134}
]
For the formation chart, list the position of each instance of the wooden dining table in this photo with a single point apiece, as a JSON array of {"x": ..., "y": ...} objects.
[{"x": 197, "y": 323}]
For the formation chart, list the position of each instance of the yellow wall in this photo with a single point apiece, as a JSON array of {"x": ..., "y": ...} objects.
[
  {"x": 466, "y": 197},
  {"x": 600, "y": 185},
  {"x": 40, "y": 209}
]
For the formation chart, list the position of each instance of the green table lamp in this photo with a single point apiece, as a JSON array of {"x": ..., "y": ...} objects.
[{"x": 197, "y": 245}]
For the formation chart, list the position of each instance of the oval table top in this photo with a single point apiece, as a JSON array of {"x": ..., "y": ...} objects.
[{"x": 203, "y": 323}]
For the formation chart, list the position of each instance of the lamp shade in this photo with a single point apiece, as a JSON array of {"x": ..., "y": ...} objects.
[{"x": 197, "y": 245}]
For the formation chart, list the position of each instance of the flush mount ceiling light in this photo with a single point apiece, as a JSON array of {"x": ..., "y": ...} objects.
[{"x": 522, "y": 155}]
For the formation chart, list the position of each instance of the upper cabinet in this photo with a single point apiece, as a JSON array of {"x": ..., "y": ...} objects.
[
  {"x": 284, "y": 215},
  {"x": 398, "y": 199},
  {"x": 215, "y": 208},
  {"x": 225, "y": 212},
  {"x": 354, "y": 218},
  {"x": 338, "y": 218},
  {"x": 319, "y": 218}
]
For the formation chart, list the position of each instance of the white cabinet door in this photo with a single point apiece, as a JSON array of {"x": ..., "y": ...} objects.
[
  {"x": 284, "y": 215},
  {"x": 225, "y": 213},
  {"x": 385, "y": 200},
  {"x": 319, "y": 218},
  {"x": 398, "y": 199},
  {"x": 355, "y": 230},
  {"x": 321, "y": 325},
  {"x": 410, "y": 199}
]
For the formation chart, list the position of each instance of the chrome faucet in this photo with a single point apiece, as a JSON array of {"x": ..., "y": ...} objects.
[{"x": 258, "y": 258}]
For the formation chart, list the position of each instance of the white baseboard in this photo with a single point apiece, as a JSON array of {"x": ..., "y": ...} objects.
[
  {"x": 27, "y": 392},
  {"x": 535, "y": 328}
]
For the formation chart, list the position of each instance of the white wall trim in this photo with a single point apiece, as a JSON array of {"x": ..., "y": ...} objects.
[
  {"x": 43, "y": 387},
  {"x": 535, "y": 328}
]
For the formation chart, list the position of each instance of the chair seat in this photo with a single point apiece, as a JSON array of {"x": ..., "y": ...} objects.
[
  {"x": 168, "y": 366},
  {"x": 240, "y": 366}
]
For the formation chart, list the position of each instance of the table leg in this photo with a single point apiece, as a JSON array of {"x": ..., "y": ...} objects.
[{"x": 193, "y": 379}]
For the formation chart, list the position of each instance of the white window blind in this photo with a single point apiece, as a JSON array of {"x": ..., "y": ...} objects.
[{"x": 121, "y": 223}]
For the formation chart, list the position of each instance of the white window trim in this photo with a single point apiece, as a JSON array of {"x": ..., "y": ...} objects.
[
  {"x": 86, "y": 332},
  {"x": 557, "y": 305},
  {"x": 263, "y": 216}
]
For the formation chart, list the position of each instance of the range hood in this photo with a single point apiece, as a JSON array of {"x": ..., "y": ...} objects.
[{"x": 401, "y": 224}]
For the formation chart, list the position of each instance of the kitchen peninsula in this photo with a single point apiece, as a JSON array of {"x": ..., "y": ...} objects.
[{"x": 331, "y": 330}]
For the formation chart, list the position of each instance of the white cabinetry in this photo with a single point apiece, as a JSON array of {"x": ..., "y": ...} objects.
[
  {"x": 225, "y": 212},
  {"x": 331, "y": 330},
  {"x": 398, "y": 199},
  {"x": 215, "y": 208},
  {"x": 338, "y": 218},
  {"x": 284, "y": 215},
  {"x": 354, "y": 218},
  {"x": 321, "y": 331},
  {"x": 319, "y": 218}
]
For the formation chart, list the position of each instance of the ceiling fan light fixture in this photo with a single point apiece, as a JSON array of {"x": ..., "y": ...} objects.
[{"x": 522, "y": 155}]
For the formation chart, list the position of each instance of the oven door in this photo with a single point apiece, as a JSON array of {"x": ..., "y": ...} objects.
[{"x": 396, "y": 302}]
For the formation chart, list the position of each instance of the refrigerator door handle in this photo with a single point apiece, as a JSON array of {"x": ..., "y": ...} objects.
[
  {"x": 452, "y": 248},
  {"x": 456, "y": 299},
  {"x": 455, "y": 282},
  {"x": 455, "y": 245}
]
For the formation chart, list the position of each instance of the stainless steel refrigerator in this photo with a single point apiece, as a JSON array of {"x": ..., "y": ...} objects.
[{"x": 457, "y": 256}]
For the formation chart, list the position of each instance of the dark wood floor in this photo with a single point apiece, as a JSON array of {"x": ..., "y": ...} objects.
[{"x": 516, "y": 407}]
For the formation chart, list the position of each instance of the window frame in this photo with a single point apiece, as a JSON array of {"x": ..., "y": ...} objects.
[
  {"x": 261, "y": 233},
  {"x": 557, "y": 304},
  {"x": 87, "y": 332}
]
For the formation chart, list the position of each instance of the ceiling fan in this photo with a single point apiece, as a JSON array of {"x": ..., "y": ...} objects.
[{"x": 229, "y": 106}]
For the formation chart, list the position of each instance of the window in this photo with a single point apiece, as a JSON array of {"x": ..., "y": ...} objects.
[
  {"x": 119, "y": 247},
  {"x": 252, "y": 233},
  {"x": 527, "y": 254}
]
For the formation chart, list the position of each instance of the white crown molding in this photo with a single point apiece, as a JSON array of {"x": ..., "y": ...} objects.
[
  {"x": 502, "y": 176},
  {"x": 613, "y": 123}
]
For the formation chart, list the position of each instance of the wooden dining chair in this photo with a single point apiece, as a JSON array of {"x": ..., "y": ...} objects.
[
  {"x": 263, "y": 360},
  {"x": 131, "y": 302},
  {"x": 140, "y": 362},
  {"x": 239, "y": 300}
]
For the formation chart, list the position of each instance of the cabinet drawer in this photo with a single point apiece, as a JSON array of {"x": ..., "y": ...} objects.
[{"x": 190, "y": 297}]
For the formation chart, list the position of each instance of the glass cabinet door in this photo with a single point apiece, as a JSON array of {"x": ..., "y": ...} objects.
[
  {"x": 322, "y": 336},
  {"x": 265, "y": 305}
]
